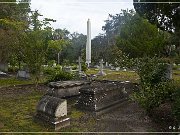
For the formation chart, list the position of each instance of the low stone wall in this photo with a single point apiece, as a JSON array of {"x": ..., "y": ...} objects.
[{"x": 101, "y": 95}]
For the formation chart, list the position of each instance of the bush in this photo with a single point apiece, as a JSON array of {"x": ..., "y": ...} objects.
[
  {"x": 176, "y": 105},
  {"x": 150, "y": 96},
  {"x": 51, "y": 63},
  {"x": 155, "y": 89},
  {"x": 84, "y": 67},
  {"x": 49, "y": 71},
  {"x": 13, "y": 69},
  {"x": 60, "y": 76}
]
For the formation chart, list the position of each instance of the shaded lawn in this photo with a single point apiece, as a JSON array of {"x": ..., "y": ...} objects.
[{"x": 17, "y": 113}]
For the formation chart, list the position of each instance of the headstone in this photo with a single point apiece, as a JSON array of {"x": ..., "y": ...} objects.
[
  {"x": 106, "y": 64},
  {"x": 67, "y": 69},
  {"x": 4, "y": 67},
  {"x": 117, "y": 68},
  {"x": 82, "y": 75},
  {"x": 168, "y": 73},
  {"x": 23, "y": 74},
  {"x": 53, "y": 111},
  {"x": 101, "y": 72}
]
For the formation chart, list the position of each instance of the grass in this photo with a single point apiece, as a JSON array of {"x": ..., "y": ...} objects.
[
  {"x": 14, "y": 81},
  {"x": 16, "y": 113},
  {"x": 116, "y": 75}
]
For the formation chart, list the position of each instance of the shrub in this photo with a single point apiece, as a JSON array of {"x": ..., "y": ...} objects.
[
  {"x": 154, "y": 87},
  {"x": 13, "y": 69},
  {"x": 60, "y": 76},
  {"x": 84, "y": 67},
  {"x": 150, "y": 96},
  {"x": 49, "y": 71},
  {"x": 176, "y": 105},
  {"x": 51, "y": 63}
]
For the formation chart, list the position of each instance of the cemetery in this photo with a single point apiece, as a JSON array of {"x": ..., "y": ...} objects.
[{"x": 124, "y": 80}]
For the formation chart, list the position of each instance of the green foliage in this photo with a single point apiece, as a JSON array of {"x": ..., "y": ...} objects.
[
  {"x": 13, "y": 69},
  {"x": 176, "y": 105},
  {"x": 51, "y": 63},
  {"x": 154, "y": 88},
  {"x": 151, "y": 70},
  {"x": 164, "y": 15},
  {"x": 84, "y": 67},
  {"x": 60, "y": 76},
  {"x": 74, "y": 49},
  {"x": 151, "y": 96},
  {"x": 139, "y": 38}
]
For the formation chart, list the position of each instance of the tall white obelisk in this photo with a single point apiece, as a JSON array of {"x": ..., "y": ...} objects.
[{"x": 88, "y": 43}]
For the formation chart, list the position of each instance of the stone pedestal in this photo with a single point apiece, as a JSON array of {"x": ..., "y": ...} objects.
[
  {"x": 100, "y": 97},
  {"x": 53, "y": 111}
]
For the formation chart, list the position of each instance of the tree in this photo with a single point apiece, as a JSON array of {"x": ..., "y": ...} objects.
[
  {"x": 139, "y": 38},
  {"x": 36, "y": 44},
  {"x": 165, "y": 15},
  {"x": 74, "y": 50},
  {"x": 13, "y": 21},
  {"x": 114, "y": 23}
]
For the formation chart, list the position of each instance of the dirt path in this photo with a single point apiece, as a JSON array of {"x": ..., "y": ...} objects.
[
  {"x": 19, "y": 90},
  {"x": 129, "y": 117}
]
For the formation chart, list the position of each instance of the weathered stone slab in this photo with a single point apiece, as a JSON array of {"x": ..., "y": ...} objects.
[
  {"x": 99, "y": 96},
  {"x": 65, "y": 88},
  {"x": 53, "y": 110}
]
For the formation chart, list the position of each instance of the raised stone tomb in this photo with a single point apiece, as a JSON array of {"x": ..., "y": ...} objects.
[
  {"x": 102, "y": 96},
  {"x": 65, "y": 88},
  {"x": 53, "y": 111}
]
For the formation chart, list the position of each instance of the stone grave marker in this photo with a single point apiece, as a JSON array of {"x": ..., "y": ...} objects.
[
  {"x": 53, "y": 111},
  {"x": 67, "y": 69},
  {"x": 101, "y": 72},
  {"x": 23, "y": 74},
  {"x": 168, "y": 73}
]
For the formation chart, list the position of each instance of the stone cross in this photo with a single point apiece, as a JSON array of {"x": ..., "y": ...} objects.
[{"x": 101, "y": 72}]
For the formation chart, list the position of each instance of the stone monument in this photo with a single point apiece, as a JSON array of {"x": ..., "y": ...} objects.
[
  {"x": 52, "y": 111},
  {"x": 88, "y": 43},
  {"x": 101, "y": 72}
]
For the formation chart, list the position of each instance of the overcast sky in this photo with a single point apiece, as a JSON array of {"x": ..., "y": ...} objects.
[{"x": 73, "y": 14}]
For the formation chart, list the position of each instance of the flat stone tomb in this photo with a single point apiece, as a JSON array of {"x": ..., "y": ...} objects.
[
  {"x": 102, "y": 96},
  {"x": 65, "y": 88},
  {"x": 53, "y": 111}
]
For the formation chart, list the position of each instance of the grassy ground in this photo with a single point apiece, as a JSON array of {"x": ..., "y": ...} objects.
[
  {"x": 16, "y": 112},
  {"x": 116, "y": 75}
]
